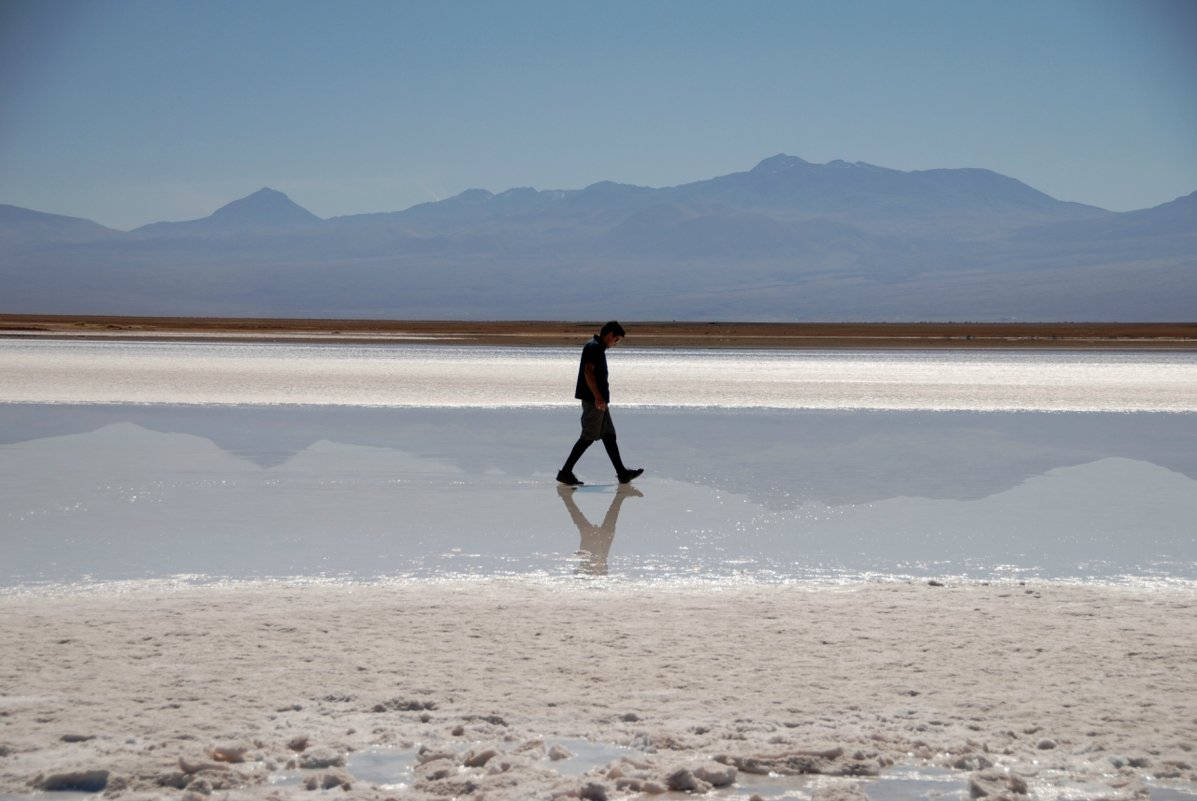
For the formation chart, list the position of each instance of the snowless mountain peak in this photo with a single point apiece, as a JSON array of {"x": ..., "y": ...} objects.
[
  {"x": 780, "y": 163},
  {"x": 266, "y": 206}
]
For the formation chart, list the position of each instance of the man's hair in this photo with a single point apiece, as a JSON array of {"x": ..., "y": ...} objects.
[{"x": 612, "y": 328}]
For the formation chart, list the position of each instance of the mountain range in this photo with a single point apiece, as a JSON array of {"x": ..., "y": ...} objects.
[{"x": 786, "y": 240}]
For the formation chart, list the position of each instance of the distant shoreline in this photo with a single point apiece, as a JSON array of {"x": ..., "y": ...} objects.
[{"x": 1038, "y": 335}]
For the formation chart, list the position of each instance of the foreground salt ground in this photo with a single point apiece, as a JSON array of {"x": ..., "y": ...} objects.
[{"x": 1042, "y": 690}]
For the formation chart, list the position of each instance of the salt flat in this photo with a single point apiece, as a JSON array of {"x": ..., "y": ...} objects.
[
  {"x": 396, "y": 600},
  {"x": 1049, "y": 690}
]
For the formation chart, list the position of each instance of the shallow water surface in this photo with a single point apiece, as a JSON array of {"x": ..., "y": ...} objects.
[{"x": 99, "y": 493}]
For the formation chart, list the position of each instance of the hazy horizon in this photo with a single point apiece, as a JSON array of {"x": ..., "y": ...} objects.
[{"x": 131, "y": 113}]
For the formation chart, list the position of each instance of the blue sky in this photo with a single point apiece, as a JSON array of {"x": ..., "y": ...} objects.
[{"x": 133, "y": 111}]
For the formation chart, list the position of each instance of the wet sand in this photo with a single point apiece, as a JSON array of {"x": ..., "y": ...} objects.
[
  {"x": 1170, "y": 336},
  {"x": 146, "y": 692}
]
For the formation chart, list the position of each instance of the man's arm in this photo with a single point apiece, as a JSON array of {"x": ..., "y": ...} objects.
[{"x": 599, "y": 402}]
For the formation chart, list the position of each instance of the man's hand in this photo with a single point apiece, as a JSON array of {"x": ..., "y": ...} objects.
[{"x": 592, "y": 382}]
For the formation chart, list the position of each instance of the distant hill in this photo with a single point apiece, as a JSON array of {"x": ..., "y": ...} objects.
[
  {"x": 24, "y": 227},
  {"x": 266, "y": 208},
  {"x": 786, "y": 240}
]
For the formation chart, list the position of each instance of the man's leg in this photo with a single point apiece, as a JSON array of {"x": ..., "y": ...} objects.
[
  {"x": 613, "y": 452},
  {"x": 611, "y": 444},
  {"x": 579, "y": 448},
  {"x": 592, "y": 429},
  {"x": 566, "y": 474}
]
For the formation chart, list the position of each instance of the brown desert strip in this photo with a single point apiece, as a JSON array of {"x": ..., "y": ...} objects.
[{"x": 1164, "y": 336}]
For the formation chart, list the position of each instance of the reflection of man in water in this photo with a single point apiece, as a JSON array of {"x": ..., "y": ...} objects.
[
  {"x": 594, "y": 392},
  {"x": 596, "y": 540}
]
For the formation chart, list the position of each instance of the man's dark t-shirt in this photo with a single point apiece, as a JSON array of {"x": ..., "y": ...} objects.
[{"x": 594, "y": 352}]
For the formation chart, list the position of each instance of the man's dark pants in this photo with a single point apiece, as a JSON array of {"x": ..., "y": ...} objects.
[{"x": 596, "y": 425}]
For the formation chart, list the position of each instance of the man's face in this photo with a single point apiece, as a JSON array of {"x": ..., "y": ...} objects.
[{"x": 612, "y": 340}]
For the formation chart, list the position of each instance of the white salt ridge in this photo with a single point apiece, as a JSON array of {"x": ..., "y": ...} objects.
[{"x": 481, "y": 377}]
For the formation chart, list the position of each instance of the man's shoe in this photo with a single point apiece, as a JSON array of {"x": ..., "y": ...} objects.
[
  {"x": 568, "y": 478},
  {"x": 627, "y": 475}
]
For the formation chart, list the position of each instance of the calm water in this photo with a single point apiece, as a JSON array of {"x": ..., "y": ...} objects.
[{"x": 153, "y": 460}]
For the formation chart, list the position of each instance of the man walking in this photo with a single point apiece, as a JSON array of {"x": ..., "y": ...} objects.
[{"x": 592, "y": 389}]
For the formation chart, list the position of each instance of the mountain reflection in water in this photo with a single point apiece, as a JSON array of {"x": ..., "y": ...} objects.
[{"x": 131, "y": 492}]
